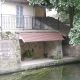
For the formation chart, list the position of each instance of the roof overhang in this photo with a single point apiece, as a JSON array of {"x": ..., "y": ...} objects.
[{"x": 40, "y": 36}]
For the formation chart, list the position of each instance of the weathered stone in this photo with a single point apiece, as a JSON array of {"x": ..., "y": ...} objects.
[
  {"x": 37, "y": 46},
  {"x": 69, "y": 50},
  {"x": 10, "y": 57},
  {"x": 53, "y": 49}
]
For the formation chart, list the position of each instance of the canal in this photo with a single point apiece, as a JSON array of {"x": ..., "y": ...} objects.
[{"x": 66, "y": 72}]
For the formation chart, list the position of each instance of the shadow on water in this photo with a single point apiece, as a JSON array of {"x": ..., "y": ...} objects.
[{"x": 66, "y": 72}]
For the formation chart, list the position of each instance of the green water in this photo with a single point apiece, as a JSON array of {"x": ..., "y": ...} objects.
[{"x": 67, "y": 72}]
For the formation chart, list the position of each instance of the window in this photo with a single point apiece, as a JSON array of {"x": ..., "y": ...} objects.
[{"x": 19, "y": 16}]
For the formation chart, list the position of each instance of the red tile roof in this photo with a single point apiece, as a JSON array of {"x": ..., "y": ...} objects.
[{"x": 36, "y": 37}]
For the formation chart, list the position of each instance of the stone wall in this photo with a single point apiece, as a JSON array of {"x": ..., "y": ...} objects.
[
  {"x": 72, "y": 51},
  {"x": 11, "y": 50},
  {"x": 69, "y": 50},
  {"x": 54, "y": 49},
  {"x": 10, "y": 57},
  {"x": 37, "y": 46},
  {"x": 43, "y": 49}
]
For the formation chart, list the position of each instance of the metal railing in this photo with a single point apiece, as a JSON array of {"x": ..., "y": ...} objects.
[
  {"x": 45, "y": 23},
  {"x": 13, "y": 22}
]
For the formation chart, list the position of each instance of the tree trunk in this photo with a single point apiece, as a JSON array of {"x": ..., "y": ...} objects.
[{"x": 71, "y": 15}]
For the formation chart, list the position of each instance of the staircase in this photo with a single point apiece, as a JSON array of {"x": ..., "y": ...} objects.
[{"x": 55, "y": 24}]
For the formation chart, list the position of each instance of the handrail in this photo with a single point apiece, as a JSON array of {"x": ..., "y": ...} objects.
[{"x": 26, "y": 22}]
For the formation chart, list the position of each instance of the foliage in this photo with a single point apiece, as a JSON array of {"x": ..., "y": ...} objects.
[
  {"x": 68, "y": 7},
  {"x": 63, "y": 17},
  {"x": 58, "y": 56},
  {"x": 28, "y": 53},
  {"x": 74, "y": 34},
  {"x": 61, "y": 5},
  {"x": 7, "y": 34},
  {"x": 45, "y": 55}
]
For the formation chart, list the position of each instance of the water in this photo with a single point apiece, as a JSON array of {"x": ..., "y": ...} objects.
[{"x": 67, "y": 72}]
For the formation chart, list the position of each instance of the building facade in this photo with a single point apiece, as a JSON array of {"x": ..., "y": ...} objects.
[{"x": 23, "y": 28}]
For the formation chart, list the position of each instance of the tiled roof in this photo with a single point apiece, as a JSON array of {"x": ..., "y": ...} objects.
[{"x": 37, "y": 37}]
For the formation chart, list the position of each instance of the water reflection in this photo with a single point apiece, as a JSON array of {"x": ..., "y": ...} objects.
[
  {"x": 71, "y": 72},
  {"x": 68, "y": 72}
]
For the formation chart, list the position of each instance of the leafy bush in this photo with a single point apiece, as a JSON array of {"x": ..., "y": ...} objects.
[
  {"x": 45, "y": 55},
  {"x": 74, "y": 33},
  {"x": 58, "y": 56},
  {"x": 28, "y": 53}
]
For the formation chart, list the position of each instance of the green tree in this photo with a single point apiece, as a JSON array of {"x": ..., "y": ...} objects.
[{"x": 70, "y": 7}]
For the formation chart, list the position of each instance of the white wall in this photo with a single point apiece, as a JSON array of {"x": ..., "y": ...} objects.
[
  {"x": 52, "y": 13},
  {"x": 0, "y": 13},
  {"x": 9, "y": 8}
]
